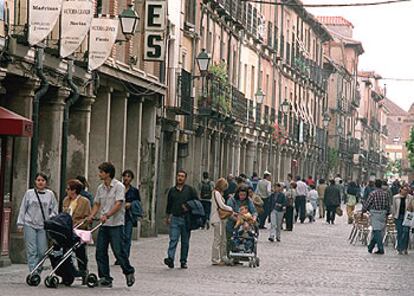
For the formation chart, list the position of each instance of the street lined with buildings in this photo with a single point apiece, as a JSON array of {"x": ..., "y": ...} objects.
[{"x": 314, "y": 259}]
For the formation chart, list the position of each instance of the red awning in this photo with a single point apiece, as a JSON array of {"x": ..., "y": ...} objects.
[{"x": 12, "y": 124}]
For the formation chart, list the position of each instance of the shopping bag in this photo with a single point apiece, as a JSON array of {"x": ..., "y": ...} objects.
[{"x": 408, "y": 219}]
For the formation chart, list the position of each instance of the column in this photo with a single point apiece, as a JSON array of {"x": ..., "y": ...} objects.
[
  {"x": 117, "y": 131},
  {"x": 242, "y": 157},
  {"x": 149, "y": 167},
  {"x": 133, "y": 138},
  {"x": 50, "y": 136},
  {"x": 250, "y": 158},
  {"x": 78, "y": 143},
  {"x": 99, "y": 135},
  {"x": 19, "y": 98}
]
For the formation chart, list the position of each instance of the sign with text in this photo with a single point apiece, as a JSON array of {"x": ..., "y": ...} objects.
[
  {"x": 154, "y": 43},
  {"x": 43, "y": 15},
  {"x": 101, "y": 39},
  {"x": 76, "y": 20}
]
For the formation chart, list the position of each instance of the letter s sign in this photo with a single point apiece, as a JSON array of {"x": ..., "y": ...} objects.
[{"x": 154, "y": 46}]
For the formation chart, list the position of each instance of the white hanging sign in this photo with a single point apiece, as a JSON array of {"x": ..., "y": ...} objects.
[
  {"x": 102, "y": 37},
  {"x": 43, "y": 15},
  {"x": 76, "y": 20}
]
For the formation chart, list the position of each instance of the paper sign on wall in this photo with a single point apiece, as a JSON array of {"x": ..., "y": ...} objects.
[
  {"x": 102, "y": 37},
  {"x": 76, "y": 20},
  {"x": 43, "y": 15}
]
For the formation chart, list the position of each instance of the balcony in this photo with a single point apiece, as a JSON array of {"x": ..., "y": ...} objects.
[
  {"x": 356, "y": 101},
  {"x": 375, "y": 125},
  {"x": 343, "y": 145},
  {"x": 384, "y": 130},
  {"x": 184, "y": 101},
  {"x": 218, "y": 100},
  {"x": 239, "y": 106},
  {"x": 354, "y": 146},
  {"x": 376, "y": 96},
  {"x": 374, "y": 157}
]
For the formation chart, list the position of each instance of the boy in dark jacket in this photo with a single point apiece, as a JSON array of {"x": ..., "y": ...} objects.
[
  {"x": 278, "y": 204},
  {"x": 332, "y": 200}
]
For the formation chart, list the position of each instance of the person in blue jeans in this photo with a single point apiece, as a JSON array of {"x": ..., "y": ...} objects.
[
  {"x": 402, "y": 203},
  {"x": 109, "y": 202},
  {"x": 131, "y": 195},
  {"x": 176, "y": 211},
  {"x": 32, "y": 217}
]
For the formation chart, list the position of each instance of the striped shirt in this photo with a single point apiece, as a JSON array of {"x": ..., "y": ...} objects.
[{"x": 377, "y": 200}]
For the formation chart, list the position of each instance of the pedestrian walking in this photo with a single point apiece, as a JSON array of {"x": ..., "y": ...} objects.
[
  {"x": 310, "y": 181},
  {"x": 377, "y": 204},
  {"x": 300, "y": 201},
  {"x": 278, "y": 204},
  {"x": 264, "y": 190},
  {"x": 332, "y": 200},
  {"x": 353, "y": 193},
  {"x": 290, "y": 208},
  {"x": 38, "y": 204},
  {"x": 368, "y": 189},
  {"x": 219, "y": 252},
  {"x": 321, "y": 194},
  {"x": 231, "y": 189},
  {"x": 257, "y": 200},
  {"x": 402, "y": 203},
  {"x": 133, "y": 209},
  {"x": 313, "y": 200},
  {"x": 109, "y": 203},
  {"x": 206, "y": 189},
  {"x": 84, "y": 192},
  {"x": 289, "y": 180},
  {"x": 255, "y": 180},
  {"x": 177, "y": 212},
  {"x": 79, "y": 208}
]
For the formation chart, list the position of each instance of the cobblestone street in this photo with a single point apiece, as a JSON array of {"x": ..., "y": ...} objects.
[{"x": 314, "y": 259}]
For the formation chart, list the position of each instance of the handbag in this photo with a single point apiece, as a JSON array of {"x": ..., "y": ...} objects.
[
  {"x": 40, "y": 204},
  {"x": 339, "y": 211},
  {"x": 408, "y": 219},
  {"x": 223, "y": 214}
]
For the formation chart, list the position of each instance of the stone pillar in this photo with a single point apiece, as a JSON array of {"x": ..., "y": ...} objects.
[
  {"x": 242, "y": 157},
  {"x": 149, "y": 168},
  {"x": 257, "y": 166},
  {"x": 235, "y": 162},
  {"x": 216, "y": 155},
  {"x": 78, "y": 143},
  {"x": 133, "y": 139},
  {"x": 250, "y": 158},
  {"x": 50, "y": 136},
  {"x": 117, "y": 131},
  {"x": 198, "y": 158},
  {"x": 20, "y": 101},
  {"x": 282, "y": 163},
  {"x": 99, "y": 135}
]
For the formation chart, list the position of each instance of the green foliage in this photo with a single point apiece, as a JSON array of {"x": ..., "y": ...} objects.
[
  {"x": 333, "y": 159},
  {"x": 221, "y": 88},
  {"x": 394, "y": 167},
  {"x": 410, "y": 147}
]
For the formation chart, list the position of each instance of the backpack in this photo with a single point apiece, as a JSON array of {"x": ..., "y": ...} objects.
[{"x": 206, "y": 190}]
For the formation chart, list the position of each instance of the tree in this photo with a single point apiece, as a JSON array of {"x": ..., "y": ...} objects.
[{"x": 410, "y": 147}]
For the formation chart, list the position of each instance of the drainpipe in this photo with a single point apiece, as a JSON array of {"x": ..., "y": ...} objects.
[
  {"x": 74, "y": 96},
  {"x": 40, "y": 92}
]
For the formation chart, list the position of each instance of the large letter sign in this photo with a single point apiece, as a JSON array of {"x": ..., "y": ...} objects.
[{"x": 154, "y": 45}]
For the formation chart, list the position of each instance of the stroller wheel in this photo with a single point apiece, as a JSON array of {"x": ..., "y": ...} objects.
[
  {"x": 51, "y": 282},
  {"x": 91, "y": 280},
  {"x": 33, "y": 280}
]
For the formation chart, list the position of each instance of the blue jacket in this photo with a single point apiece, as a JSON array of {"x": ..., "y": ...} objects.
[
  {"x": 195, "y": 219},
  {"x": 279, "y": 198}
]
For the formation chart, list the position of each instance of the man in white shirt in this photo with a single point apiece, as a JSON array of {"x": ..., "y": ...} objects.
[
  {"x": 264, "y": 190},
  {"x": 300, "y": 202}
]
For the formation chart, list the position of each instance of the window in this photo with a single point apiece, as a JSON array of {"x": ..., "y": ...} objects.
[
  {"x": 99, "y": 6},
  {"x": 269, "y": 34},
  {"x": 245, "y": 80},
  {"x": 190, "y": 11},
  {"x": 252, "y": 81}
]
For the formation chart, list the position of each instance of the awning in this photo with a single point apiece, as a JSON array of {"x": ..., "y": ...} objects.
[{"x": 12, "y": 124}]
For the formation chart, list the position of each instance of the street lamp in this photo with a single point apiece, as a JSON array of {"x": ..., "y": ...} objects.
[
  {"x": 285, "y": 106},
  {"x": 326, "y": 119},
  {"x": 259, "y": 96},
  {"x": 203, "y": 61},
  {"x": 340, "y": 129},
  {"x": 129, "y": 21}
]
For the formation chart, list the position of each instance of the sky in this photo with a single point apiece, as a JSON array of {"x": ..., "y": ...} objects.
[{"x": 387, "y": 35}]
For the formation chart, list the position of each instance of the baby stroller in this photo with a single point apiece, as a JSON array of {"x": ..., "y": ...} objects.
[
  {"x": 243, "y": 246},
  {"x": 64, "y": 243}
]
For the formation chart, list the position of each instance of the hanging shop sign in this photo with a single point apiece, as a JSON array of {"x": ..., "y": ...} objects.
[
  {"x": 154, "y": 42},
  {"x": 75, "y": 22},
  {"x": 101, "y": 39},
  {"x": 43, "y": 15}
]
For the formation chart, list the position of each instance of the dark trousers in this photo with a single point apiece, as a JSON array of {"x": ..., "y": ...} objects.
[
  {"x": 376, "y": 240},
  {"x": 179, "y": 229},
  {"x": 300, "y": 205},
  {"x": 266, "y": 212},
  {"x": 113, "y": 235},
  {"x": 330, "y": 214},
  {"x": 289, "y": 218},
  {"x": 207, "y": 210},
  {"x": 403, "y": 234},
  {"x": 128, "y": 227},
  {"x": 82, "y": 258}
]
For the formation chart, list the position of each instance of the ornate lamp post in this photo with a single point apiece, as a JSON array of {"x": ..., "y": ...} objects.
[{"x": 129, "y": 19}]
